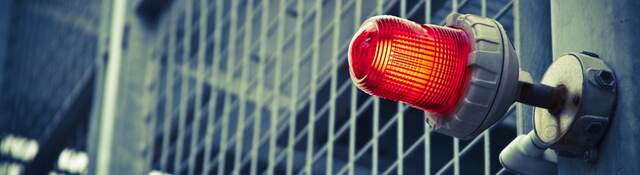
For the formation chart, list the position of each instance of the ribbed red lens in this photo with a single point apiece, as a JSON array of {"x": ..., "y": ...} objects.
[{"x": 422, "y": 65}]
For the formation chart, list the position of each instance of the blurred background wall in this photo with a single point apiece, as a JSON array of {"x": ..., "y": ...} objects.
[
  {"x": 46, "y": 48},
  {"x": 49, "y": 45}
]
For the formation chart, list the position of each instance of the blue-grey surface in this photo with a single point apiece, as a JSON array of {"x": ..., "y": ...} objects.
[
  {"x": 5, "y": 13},
  {"x": 610, "y": 29},
  {"x": 534, "y": 44},
  {"x": 49, "y": 44}
]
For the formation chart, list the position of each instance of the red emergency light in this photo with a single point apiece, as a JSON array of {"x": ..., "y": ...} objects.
[
  {"x": 421, "y": 65},
  {"x": 465, "y": 73}
]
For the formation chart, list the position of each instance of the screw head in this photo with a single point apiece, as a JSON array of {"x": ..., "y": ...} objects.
[{"x": 605, "y": 78}]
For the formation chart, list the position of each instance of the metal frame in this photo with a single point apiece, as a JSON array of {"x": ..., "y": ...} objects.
[{"x": 228, "y": 79}]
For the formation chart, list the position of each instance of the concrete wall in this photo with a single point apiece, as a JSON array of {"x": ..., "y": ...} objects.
[{"x": 610, "y": 29}]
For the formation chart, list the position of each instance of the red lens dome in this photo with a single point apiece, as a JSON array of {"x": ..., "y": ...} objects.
[{"x": 422, "y": 65}]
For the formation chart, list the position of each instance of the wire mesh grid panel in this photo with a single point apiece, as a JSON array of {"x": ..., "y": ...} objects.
[{"x": 262, "y": 87}]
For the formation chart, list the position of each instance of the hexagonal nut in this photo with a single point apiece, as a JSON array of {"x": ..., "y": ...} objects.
[
  {"x": 593, "y": 128},
  {"x": 605, "y": 78}
]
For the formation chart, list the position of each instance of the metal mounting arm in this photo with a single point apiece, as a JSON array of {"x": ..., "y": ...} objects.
[{"x": 540, "y": 95}]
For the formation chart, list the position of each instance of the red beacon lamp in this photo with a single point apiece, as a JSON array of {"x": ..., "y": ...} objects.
[
  {"x": 466, "y": 75},
  {"x": 463, "y": 74}
]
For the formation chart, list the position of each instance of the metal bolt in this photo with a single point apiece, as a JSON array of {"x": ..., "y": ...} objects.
[
  {"x": 593, "y": 128},
  {"x": 605, "y": 78}
]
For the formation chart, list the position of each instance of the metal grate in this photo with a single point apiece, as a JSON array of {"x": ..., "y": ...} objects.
[{"x": 262, "y": 87}]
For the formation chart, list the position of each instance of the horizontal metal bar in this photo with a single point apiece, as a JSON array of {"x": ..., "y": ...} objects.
[
  {"x": 382, "y": 132},
  {"x": 474, "y": 142},
  {"x": 462, "y": 153},
  {"x": 502, "y": 171},
  {"x": 407, "y": 153},
  {"x": 503, "y": 10}
]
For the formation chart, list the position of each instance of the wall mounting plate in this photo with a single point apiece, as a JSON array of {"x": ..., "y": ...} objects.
[{"x": 590, "y": 101}]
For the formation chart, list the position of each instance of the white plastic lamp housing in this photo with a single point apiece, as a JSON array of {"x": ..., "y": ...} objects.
[{"x": 493, "y": 77}]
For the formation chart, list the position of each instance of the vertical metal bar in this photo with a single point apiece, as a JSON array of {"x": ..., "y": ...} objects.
[
  {"x": 312, "y": 88},
  {"x": 456, "y": 156},
  {"x": 454, "y": 6},
  {"x": 427, "y": 145},
  {"x": 275, "y": 104},
  {"x": 102, "y": 51},
  {"x": 200, "y": 74},
  {"x": 149, "y": 108},
  {"x": 376, "y": 128},
  {"x": 427, "y": 11},
  {"x": 483, "y": 8},
  {"x": 376, "y": 113},
  {"x": 400, "y": 136},
  {"x": 184, "y": 86},
  {"x": 168, "y": 106},
  {"x": 427, "y": 128},
  {"x": 403, "y": 8},
  {"x": 487, "y": 134},
  {"x": 244, "y": 78},
  {"x": 352, "y": 129},
  {"x": 294, "y": 85},
  {"x": 109, "y": 110},
  {"x": 516, "y": 35},
  {"x": 487, "y": 152},
  {"x": 400, "y": 122},
  {"x": 233, "y": 17},
  {"x": 148, "y": 111},
  {"x": 334, "y": 83},
  {"x": 264, "y": 34},
  {"x": 354, "y": 98},
  {"x": 213, "y": 99},
  {"x": 456, "y": 142},
  {"x": 150, "y": 96}
]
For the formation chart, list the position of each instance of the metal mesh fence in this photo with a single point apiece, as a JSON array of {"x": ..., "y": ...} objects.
[{"x": 262, "y": 87}]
